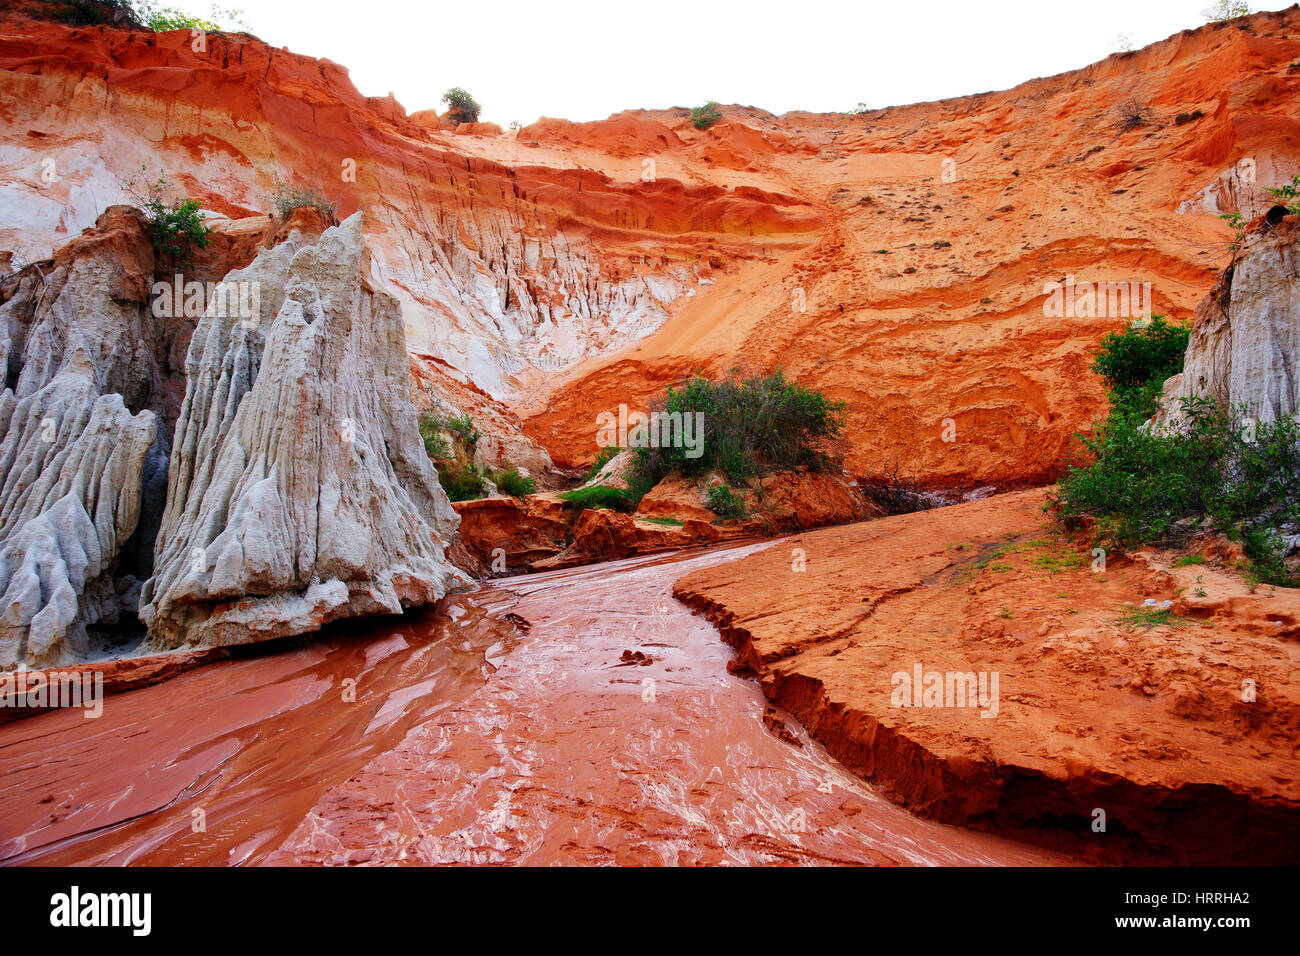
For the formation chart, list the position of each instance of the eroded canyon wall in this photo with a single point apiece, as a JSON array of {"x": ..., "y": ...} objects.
[{"x": 898, "y": 259}]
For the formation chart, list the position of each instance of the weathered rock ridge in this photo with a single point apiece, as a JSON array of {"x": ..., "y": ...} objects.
[
  {"x": 1244, "y": 347},
  {"x": 299, "y": 491},
  {"x": 78, "y": 420}
]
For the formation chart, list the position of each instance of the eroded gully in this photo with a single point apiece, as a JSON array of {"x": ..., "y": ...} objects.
[{"x": 466, "y": 738}]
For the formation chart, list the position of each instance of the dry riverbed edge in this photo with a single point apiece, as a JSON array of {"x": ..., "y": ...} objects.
[{"x": 1145, "y": 727}]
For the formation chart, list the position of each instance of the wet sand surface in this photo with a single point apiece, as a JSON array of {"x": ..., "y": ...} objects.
[{"x": 464, "y": 736}]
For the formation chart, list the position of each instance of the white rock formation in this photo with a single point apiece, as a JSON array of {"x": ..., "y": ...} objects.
[
  {"x": 299, "y": 490},
  {"x": 1244, "y": 348},
  {"x": 74, "y": 344}
]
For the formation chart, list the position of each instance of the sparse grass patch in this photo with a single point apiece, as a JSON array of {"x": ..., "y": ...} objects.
[
  {"x": 598, "y": 497},
  {"x": 671, "y": 522},
  {"x": 1057, "y": 560},
  {"x": 1146, "y": 617},
  {"x": 1189, "y": 559}
]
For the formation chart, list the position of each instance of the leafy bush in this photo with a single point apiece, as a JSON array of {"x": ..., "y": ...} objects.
[
  {"x": 160, "y": 19},
  {"x": 288, "y": 198},
  {"x": 512, "y": 483},
  {"x": 1145, "y": 487},
  {"x": 1215, "y": 470},
  {"x": 176, "y": 226},
  {"x": 1134, "y": 363},
  {"x": 461, "y": 481},
  {"x": 767, "y": 421},
  {"x": 176, "y": 229},
  {"x": 463, "y": 426},
  {"x": 435, "y": 444},
  {"x": 702, "y": 117},
  {"x": 1288, "y": 194},
  {"x": 1238, "y": 226},
  {"x": 601, "y": 496},
  {"x": 724, "y": 502},
  {"x": 462, "y": 107}
]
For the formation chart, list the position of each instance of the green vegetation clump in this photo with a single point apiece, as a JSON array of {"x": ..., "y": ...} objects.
[
  {"x": 435, "y": 443},
  {"x": 462, "y": 107},
  {"x": 511, "y": 482},
  {"x": 160, "y": 19},
  {"x": 460, "y": 478},
  {"x": 462, "y": 481},
  {"x": 1148, "y": 616},
  {"x": 603, "y": 458},
  {"x": 1134, "y": 363},
  {"x": 724, "y": 502},
  {"x": 1287, "y": 195},
  {"x": 599, "y": 497},
  {"x": 1217, "y": 469},
  {"x": 176, "y": 225},
  {"x": 1222, "y": 10},
  {"x": 702, "y": 117},
  {"x": 463, "y": 426},
  {"x": 764, "y": 421}
]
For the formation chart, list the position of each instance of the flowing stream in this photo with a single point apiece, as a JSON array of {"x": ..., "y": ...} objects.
[{"x": 574, "y": 717}]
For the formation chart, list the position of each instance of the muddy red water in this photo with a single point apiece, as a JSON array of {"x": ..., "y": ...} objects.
[{"x": 605, "y": 730}]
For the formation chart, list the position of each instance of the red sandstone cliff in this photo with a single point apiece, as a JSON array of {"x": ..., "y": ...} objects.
[{"x": 548, "y": 272}]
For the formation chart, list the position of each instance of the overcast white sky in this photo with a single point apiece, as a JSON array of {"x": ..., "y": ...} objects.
[{"x": 584, "y": 60}]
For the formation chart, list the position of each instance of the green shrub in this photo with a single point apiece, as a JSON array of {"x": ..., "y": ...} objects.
[
  {"x": 463, "y": 426},
  {"x": 177, "y": 229},
  {"x": 768, "y": 421},
  {"x": 435, "y": 443},
  {"x": 702, "y": 117},
  {"x": 1145, "y": 488},
  {"x": 176, "y": 226},
  {"x": 461, "y": 481},
  {"x": 463, "y": 107},
  {"x": 512, "y": 483},
  {"x": 288, "y": 198},
  {"x": 1134, "y": 363},
  {"x": 601, "y": 497},
  {"x": 1287, "y": 195},
  {"x": 603, "y": 458},
  {"x": 724, "y": 502},
  {"x": 160, "y": 19}
]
